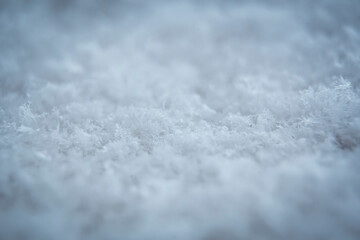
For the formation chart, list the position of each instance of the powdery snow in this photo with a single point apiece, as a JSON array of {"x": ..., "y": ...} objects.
[{"x": 209, "y": 120}]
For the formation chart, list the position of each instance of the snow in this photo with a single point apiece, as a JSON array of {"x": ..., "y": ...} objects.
[{"x": 209, "y": 120}]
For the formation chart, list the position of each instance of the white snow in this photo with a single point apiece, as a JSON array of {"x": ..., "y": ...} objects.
[{"x": 209, "y": 120}]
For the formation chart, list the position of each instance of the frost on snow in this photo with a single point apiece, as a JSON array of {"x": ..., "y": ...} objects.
[{"x": 209, "y": 120}]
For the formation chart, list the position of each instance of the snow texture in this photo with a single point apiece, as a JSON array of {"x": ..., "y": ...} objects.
[{"x": 196, "y": 120}]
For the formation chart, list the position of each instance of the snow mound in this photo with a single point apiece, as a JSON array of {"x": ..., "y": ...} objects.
[{"x": 209, "y": 120}]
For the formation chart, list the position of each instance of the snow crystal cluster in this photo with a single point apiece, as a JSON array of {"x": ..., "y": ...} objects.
[{"x": 194, "y": 119}]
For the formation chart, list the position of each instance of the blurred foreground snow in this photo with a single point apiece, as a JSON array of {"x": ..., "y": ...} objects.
[{"x": 212, "y": 120}]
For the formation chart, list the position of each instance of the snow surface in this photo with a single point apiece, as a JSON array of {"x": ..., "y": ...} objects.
[{"x": 210, "y": 120}]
